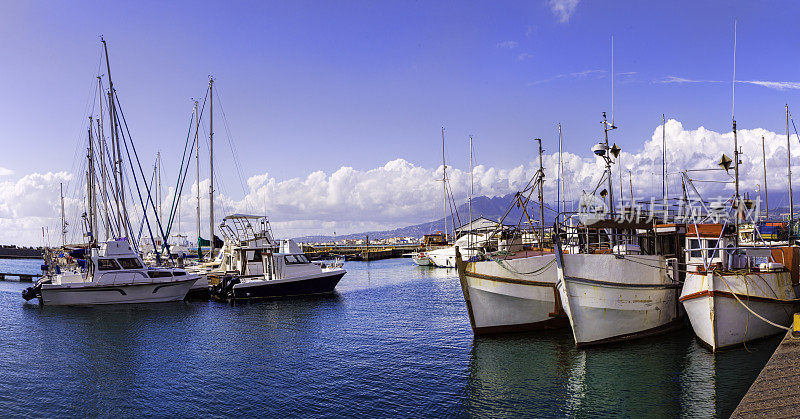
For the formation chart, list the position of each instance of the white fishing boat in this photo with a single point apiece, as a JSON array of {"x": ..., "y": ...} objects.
[
  {"x": 512, "y": 294},
  {"x": 255, "y": 266},
  {"x": 114, "y": 274},
  {"x": 611, "y": 297},
  {"x": 733, "y": 295},
  {"x": 611, "y": 291}
]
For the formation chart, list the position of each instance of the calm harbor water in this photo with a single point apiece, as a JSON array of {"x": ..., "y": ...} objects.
[{"x": 394, "y": 340}]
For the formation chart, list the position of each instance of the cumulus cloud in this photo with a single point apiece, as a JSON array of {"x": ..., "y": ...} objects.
[
  {"x": 5, "y": 172},
  {"x": 563, "y": 9},
  {"x": 400, "y": 193}
]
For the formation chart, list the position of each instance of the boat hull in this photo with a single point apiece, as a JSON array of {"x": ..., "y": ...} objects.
[
  {"x": 88, "y": 294},
  {"x": 422, "y": 260},
  {"x": 720, "y": 321},
  {"x": 609, "y": 299},
  {"x": 312, "y": 284},
  {"x": 512, "y": 295}
]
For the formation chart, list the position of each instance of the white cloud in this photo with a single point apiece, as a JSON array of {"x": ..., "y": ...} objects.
[
  {"x": 576, "y": 75},
  {"x": 524, "y": 56},
  {"x": 681, "y": 80},
  {"x": 400, "y": 193},
  {"x": 5, "y": 172},
  {"x": 507, "y": 44},
  {"x": 778, "y": 85},
  {"x": 563, "y": 9}
]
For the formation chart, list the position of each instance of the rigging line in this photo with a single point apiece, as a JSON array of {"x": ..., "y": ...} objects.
[
  {"x": 178, "y": 182},
  {"x": 231, "y": 143},
  {"x": 141, "y": 223},
  {"x": 138, "y": 162}
]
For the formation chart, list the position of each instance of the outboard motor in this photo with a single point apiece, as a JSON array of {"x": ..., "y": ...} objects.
[{"x": 31, "y": 292}]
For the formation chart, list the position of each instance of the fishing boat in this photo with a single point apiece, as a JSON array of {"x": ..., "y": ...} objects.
[
  {"x": 255, "y": 266},
  {"x": 734, "y": 294},
  {"x": 615, "y": 289},
  {"x": 112, "y": 274},
  {"x": 513, "y": 289}
]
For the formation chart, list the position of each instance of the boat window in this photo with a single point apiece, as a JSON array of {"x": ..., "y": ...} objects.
[
  {"x": 130, "y": 263},
  {"x": 711, "y": 245},
  {"x": 255, "y": 256},
  {"x": 302, "y": 258},
  {"x": 178, "y": 273},
  {"x": 290, "y": 259},
  {"x": 107, "y": 265},
  {"x": 694, "y": 246},
  {"x": 159, "y": 274}
]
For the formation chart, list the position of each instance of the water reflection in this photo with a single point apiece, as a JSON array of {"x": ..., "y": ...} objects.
[{"x": 669, "y": 375}]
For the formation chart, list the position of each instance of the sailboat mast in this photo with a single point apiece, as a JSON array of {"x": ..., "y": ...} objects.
[
  {"x": 789, "y": 152},
  {"x": 736, "y": 199},
  {"x": 561, "y": 198},
  {"x": 608, "y": 165},
  {"x": 102, "y": 150},
  {"x": 90, "y": 187},
  {"x": 63, "y": 221},
  {"x": 158, "y": 192},
  {"x": 444, "y": 188},
  {"x": 541, "y": 196},
  {"x": 471, "y": 189},
  {"x": 211, "y": 166},
  {"x": 197, "y": 161},
  {"x": 764, "y": 159},
  {"x": 120, "y": 189}
]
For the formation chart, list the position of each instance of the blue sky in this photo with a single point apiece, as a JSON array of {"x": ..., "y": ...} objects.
[{"x": 318, "y": 85}]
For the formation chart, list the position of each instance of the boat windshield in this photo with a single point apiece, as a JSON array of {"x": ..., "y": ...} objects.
[
  {"x": 107, "y": 265},
  {"x": 130, "y": 263}
]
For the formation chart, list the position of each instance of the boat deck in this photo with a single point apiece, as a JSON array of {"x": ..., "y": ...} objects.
[{"x": 775, "y": 392}]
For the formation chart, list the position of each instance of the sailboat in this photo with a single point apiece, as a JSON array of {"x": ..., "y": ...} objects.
[{"x": 109, "y": 271}]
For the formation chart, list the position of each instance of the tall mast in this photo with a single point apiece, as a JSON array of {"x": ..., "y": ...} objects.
[
  {"x": 63, "y": 221},
  {"x": 444, "y": 188},
  {"x": 90, "y": 188},
  {"x": 211, "y": 167},
  {"x": 541, "y": 196},
  {"x": 607, "y": 128},
  {"x": 736, "y": 199},
  {"x": 562, "y": 207},
  {"x": 158, "y": 191},
  {"x": 789, "y": 152},
  {"x": 471, "y": 189},
  {"x": 197, "y": 161},
  {"x": 102, "y": 149},
  {"x": 115, "y": 141},
  {"x": 664, "y": 158},
  {"x": 764, "y": 159}
]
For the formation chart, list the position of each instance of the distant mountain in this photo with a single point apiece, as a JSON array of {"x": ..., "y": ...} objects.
[{"x": 492, "y": 208}]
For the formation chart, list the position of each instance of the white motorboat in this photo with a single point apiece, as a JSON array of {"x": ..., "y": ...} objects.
[
  {"x": 254, "y": 266},
  {"x": 114, "y": 274},
  {"x": 421, "y": 259},
  {"x": 732, "y": 294},
  {"x": 469, "y": 245}
]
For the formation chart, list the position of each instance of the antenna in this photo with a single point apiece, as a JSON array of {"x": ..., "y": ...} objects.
[
  {"x": 733, "y": 81},
  {"x": 612, "y": 79}
]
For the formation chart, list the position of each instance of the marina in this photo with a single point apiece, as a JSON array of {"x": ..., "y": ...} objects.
[
  {"x": 393, "y": 339},
  {"x": 506, "y": 256}
]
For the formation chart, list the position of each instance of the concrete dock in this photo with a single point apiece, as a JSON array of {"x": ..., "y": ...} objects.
[{"x": 776, "y": 391}]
